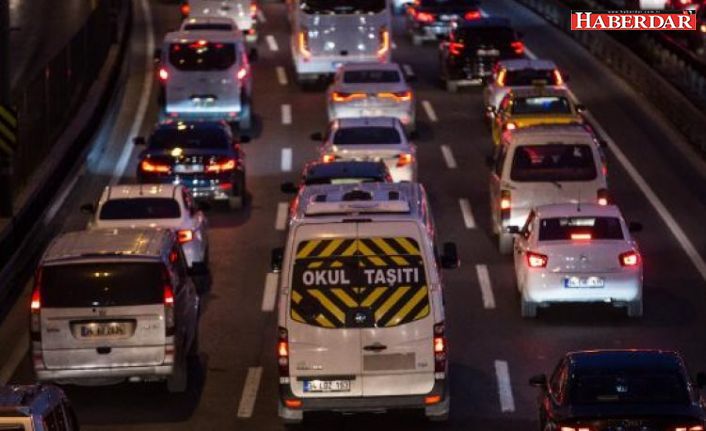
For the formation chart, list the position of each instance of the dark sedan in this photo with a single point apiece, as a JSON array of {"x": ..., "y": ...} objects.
[
  {"x": 342, "y": 172},
  {"x": 203, "y": 156},
  {"x": 432, "y": 19},
  {"x": 620, "y": 390}
]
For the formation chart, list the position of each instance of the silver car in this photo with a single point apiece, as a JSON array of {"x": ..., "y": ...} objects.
[
  {"x": 111, "y": 305},
  {"x": 371, "y": 139},
  {"x": 371, "y": 90}
]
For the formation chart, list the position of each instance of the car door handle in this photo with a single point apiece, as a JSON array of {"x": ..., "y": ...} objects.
[{"x": 377, "y": 347}]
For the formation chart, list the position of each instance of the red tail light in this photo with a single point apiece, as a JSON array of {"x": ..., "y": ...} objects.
[
  {"x": 304, "y": 44},
  {"x": 703, "y": 27},
  {"x": 222, "y": 166},
  {"x": 185, "y": 235},
  {"x": 581, "y": 428},
  {"x": 500, "y": 80},
  {"x": 283, "y": 352},
  {"x": 242, "y": 73},
  {"x": 536, "y": 260},
  {"x": 328, "y": 158},
  {"x": 253, "y": 9},
  {"x": 456, "y": 48},
  {"x": 404, "y": 159},
  {"x": 423, "y": 17},
  {"x": 36, "y": 307},
  {"x": 169, "y": 323},
  {"x": 689, "y": 428},
  {"x": 163, "y": 74},
  {"x": 510, "y": 126},
  {"x": 185, "y": 9},
  {"x": 558, "y": 79},
  {"x": 384, "y": 42},
  {"x": 602, "y": 197},
  {"x": 472, "y": 15},
  {"x": 440, "y": 348},
  {"x": 505, "y": 204},
  {"x": 629, "y": 258},
  {"x": 518, "y": 47},
  {"x": 400, "y": 96},
  {"x": 340, "y": 96},
  {"x": 148, "y": 166}
]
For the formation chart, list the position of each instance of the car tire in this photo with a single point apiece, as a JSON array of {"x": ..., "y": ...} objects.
[
  {"x": 245, "y": 120},
  {"x": 179, "y": 380},
  {"x": 528, "y": 309},
  {"x": 635, "y": 309},
  {"x": 451, "y": 86},
  {"x": 506, "y": 242}
]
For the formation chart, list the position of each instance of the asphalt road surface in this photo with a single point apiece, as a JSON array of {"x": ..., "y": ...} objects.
[{"x": 654, "y": 177}]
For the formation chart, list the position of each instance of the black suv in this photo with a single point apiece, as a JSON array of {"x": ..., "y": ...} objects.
[
  {"x": 203, "y": 156},
  {"x": 473, "y": 48},
  {"x": 628, "y": 390},
  {"x": 432, "y": 19}
]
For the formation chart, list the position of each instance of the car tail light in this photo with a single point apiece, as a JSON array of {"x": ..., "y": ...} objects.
[
  {"x": 399, "y": 96},
  {"x": 581, "y": 236},
  {"x": 558, "y": 79},
  {"x": 328, "y": 158},
  {"x": 242, "y": 73},
  {"x": 35, "y": 307},
  {"x": 472, "y": 15},
  {"x": 456, "y": 48},
  {"x": 404, "y": 159},
  {"x": 602, "y": 196},
  {"x": 505, "y": 204},
  {"x": 185, "y": 235},
  {"x": 423, "y": 17},
  {"x": 340, "y": 96},
  {"x": 576, "y": 428},
  {"x": 221, "y": 166},
  {"x": 518, "y": 47},
  {"x": 283, "y": 352},
  {"x": 432, "y": 399},
  {"x": 536, "y": 260},
  {"x": 293, "y": 403},
  {"x": 384, "y": 42},
  {"x": 440, "y": 348},
  {"x": 689, "y": 428},
  {"x": 510, "y": 126},
  {"x": 253, "y": 9},
  {"x": 169, "y": 323},
  {"x": 304, "y": 44},
  {"x": 629, "y": 258},
  {"x": 148, "y": 166},
  {"x": 185, "y": 9},
  {"x": 163, "y": 74},
  {"x": 500, "y": 80},
  {"x": 703, "y": 27}
]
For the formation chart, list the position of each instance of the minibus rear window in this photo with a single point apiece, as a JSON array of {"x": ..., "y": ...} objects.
[
  {"x": 140, "y": 208},
  {"x": 202, "y": 56}
]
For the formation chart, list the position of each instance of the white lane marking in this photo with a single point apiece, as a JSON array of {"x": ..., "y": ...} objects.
[
  {"x": 270, "y": 293},
  {"x": 393, "y": 45},
  {"x": 144, "y": 101},
  {"x": 282, "y": 213},
  {"x": 407, "y": 69},
  {"x": 286, "y": 162},
  {"x": 249, "y": 395},
  {"x": 13, "y": 361},
  {"x": 286, "y": 114},
  {"x": 430, "y": 111},
  {"x": 272, "y": 43},
  {"x": 261, "y": 16},
  {"x": 486, "y": 288},
  {"x": 282, "y": 76},
  {"x": 502, "y": 373},
  {"x": 59, "y": 202},
  {"x": 448, "y": 157},
  {"x": 467, "y": 212}
]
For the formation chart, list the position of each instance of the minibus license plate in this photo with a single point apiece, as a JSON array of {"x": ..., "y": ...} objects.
[
  {"x": 327, "y": 385},
  {"x": 104, "y": 329},
  {"x": 584, "y": 282}
]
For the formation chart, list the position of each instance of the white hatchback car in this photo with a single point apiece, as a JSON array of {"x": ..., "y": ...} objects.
[
  {"x": 371, "y": 139},
  {"x": 164, "y": 206},
  {"x": 371, "y": 90},
  {"x": 578, "y": 253}
]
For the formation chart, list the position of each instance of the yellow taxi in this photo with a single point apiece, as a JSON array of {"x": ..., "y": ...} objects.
[{"x": 534, "y": 106}]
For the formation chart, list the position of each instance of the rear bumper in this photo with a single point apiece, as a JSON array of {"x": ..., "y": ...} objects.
[
  {"x": 545, "y": 287},
  {"x": 210, "y": 115},
  {"x": 327, "y": 65},
  {"x": 404, "y": 112},
  {"x": 104, "y": 375}
]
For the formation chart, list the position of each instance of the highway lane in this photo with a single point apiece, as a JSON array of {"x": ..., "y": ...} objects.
[{"x": 237, "y": 337}]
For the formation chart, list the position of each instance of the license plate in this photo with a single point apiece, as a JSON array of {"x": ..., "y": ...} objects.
[
  {"x": 371, "y": 113},
  {"x": 104, "y": 330},
  {"x": 187, "y": 169},
  {"x": 448, "y": 17},
  {"x": 584, "y": 282},
  {"x": 327, "y": 385},
  {"x": 488, "y": 52}
]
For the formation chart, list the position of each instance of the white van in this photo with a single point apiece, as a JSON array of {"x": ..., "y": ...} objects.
[
  {"x": 328, "y": 33},
  {"x": 206, "y": 75},
  {"x": 540, "y": 165},
  {"x": 361, "y": 309},
  {"x": 242, "y": 12}
]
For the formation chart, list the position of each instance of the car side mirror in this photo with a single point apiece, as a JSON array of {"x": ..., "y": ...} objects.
[
  {"x": 288, "y": 188},
  {"x": 538, "y": 381},
  {"x": 88, "y": 209},
  {"x": 244, "y": 139},
  {"x": 140, "y": 140},
  {"x": 580, "y": 108},
  {"x": 317, "y": 136},
  {"x": 203, "y": 206},
  {"x": 253, "y": 55},
  {"x": 157, "y": 55},
  {"x": 489, "y": 161},
  {"x": 635, "y": 227},
  {"x": 701, "y": 380},
  {"x": 276, "y": 259},
  {"x": 515, "y": 230},
  {"x": 449, "y": 258}
]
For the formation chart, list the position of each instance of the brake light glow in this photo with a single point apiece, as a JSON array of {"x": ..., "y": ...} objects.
[
  {"x": 404, "y": 159},
  {"x": 536, "y": 260},
  {"x": 163, "y": 74},
  {"x": 505, "y": 204},
  {"x": 500, "y": 80},
  {"x": 293, "y": 404},
  {"x": 602, "y": 196},
  {"x": 703, "y": 28},
  {"x": 518, "y": 47},
  {"x": 185, "y": 235},
  {"x": 168, "y": 295},
  {"x": 472, "y": 15},
  {"x": 36, "y": 307},
  {"x": 253, "y": 9},
  {"x": 510, "y": 126},
  {"x": 242, "y": 73},
  {"x": 328, "y": 158},
  {"x": 692, "y": 428},
  {"x": 629, "y": 258},
  {"x": 440, "y": 348},
  {"x": 456, "y": 48},
  {"x": 147, "y": 166},
  {"x": 185, "y": 9},
  {"x": 223, "y": 166},
  {"x": 283, "y": 352},
  {"x": 581, "y": 236},
  {"x": 575, "y": 429},
  {"x": 400, "y": 96},
  {"x": 423, "y": 17},
  {"x": 304, "y": 44},
  {"x": 558, "y": 79},
  {"x": 339, "y": 96},
  {"x": 432, "y": 399},
  {"x": 384, "y": 43},
  {"x": 36, "y": 303}
]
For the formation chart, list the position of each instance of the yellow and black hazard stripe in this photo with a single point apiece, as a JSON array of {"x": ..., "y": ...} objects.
[
  {"x": 374, "y": 246},
  {"x": 8, "y": 130}
]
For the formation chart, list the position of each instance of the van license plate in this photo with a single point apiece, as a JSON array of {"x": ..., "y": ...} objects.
[
  {"x": 104, "y": 330},
  {"x": 584, "y": 282},
  {"x": 327, "y": 385}
]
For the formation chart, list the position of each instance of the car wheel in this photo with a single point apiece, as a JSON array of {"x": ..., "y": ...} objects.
[
  {"x": 505, "y": 243},
  {"x": 451, "y": 86},
  {"x": 179, "y": 380},
  {"x": 528, "y": 309},
  {"x": 634, "y": 308},
  {"x": 245, "y": 121}
]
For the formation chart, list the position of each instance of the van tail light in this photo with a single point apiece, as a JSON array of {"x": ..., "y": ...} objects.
[
  {"x": 328, "y": 158},
  {"x": 341, "y": 96},
  {"x": 185, "y": 235},
  {"x": 456, "y": 48},
  {"x": 242, "y": 73},
  {"x": 404, "y": 159},
  {"x": 185, "y": 9},
  {"x": 500, "y": 80},
  {"x": 154, "y": 167},
  {"x": 163, "y": 74},
  {"x": 472, "y": 15},
  {"x": 384, "y": 42},
  {"x": 518, "y": 47},
  {"x": 602, "y": 196},
  {"x": 423, "y": 17},
  {"x": 536, "y": 260},
  {"x": 303, "y": 40},
  {"x": 440, "y": 348},
  {"x": 399, "y": 96},
  {"x": 219, "y": 166},
  {"x": 558, "y": 79},
  {"x": 283, "y": 352},
  {"x": 505, "y": 204},
  {"x": 253, "y": 10},
  {"x": 169, "y": 323},
  {"x": 629, "y": 259},
  {"x": 36, "y": 308}
]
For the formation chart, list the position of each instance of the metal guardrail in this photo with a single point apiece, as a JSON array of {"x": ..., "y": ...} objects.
[{"x": 649, "y": 76}]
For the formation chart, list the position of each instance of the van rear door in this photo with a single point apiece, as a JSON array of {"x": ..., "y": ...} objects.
[{"x": 102, "y": 314}]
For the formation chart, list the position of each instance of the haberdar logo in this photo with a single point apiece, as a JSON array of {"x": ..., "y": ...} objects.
[{"x": 633, "y": 20}]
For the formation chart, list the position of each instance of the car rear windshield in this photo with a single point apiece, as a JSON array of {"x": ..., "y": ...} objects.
[
  {"x": 359, "y": 283},
  {"x": 202, "y": 56},
  {"x": 108, "y": 284},
  {"x": 541, "y": 105},
  {"x": 553, "y": 163},
  {"x": 366, "y": 135},
  {"x": 189, "y": 137},
  {"x": 371, "y": 76},
  {"x": 448, "y": 3},
  {"x": 629, "y": 387},
  {"x": 209, "y": 27},
  {"x": 486, "y": 36},
  {"x": 528, "y": 77},
  {"x": 343, "y": 7},
  {"x": 140, "y": 208},
  {"x": 568, "y": 228}
]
